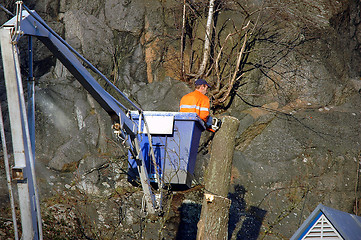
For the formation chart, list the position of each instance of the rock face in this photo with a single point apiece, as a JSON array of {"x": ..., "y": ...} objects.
[
  {"x": 297, "y": 144},
  {"x": 309, "y": 136},
  {"x": 300, "y": 160}
]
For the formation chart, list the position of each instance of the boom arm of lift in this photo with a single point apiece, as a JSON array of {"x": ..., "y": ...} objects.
[{"x": 31, "y": 24}]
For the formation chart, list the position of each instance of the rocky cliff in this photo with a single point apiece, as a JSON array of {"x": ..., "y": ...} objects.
[{"x": 298, "y": 102}]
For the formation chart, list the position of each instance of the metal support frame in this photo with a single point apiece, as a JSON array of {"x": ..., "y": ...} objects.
[
  {"x": 27, "y": 22},
  {"x": 8, "y": 177},
  {"x": 31, "y": 96},
  {"x": 132, "y": 143},
  {"x": 22, "y": 149},
  {"x": 151, "y": 203}
]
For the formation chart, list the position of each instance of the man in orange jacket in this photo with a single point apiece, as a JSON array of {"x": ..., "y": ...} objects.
[{"x": 198, "y": 102}]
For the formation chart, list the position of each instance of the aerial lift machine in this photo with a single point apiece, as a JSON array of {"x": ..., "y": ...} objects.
[{"x": 162, "y": 145}]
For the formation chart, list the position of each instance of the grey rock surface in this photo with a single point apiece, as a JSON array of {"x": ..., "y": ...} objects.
[
  {"x": 298, "y": 140},
  {"x": 162, "y": 96}
]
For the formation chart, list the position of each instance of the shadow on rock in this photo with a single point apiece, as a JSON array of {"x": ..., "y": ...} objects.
[
  {"x": 243, "y": 223},
  {"x": 190, "y": 214}
]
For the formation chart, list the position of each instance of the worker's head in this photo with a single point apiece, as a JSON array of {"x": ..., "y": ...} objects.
[{"x": 201, "y": 85}]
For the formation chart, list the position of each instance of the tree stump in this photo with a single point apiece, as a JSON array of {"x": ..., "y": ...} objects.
[{"x": 213, "y": 223}]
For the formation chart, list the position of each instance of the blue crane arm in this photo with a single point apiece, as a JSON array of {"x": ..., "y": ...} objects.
[{"x": 31, "y": 24}]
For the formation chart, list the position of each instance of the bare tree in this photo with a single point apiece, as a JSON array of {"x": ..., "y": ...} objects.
[
  {"x": 223, "y": 56},
  {"x": 230, "y": 41}
]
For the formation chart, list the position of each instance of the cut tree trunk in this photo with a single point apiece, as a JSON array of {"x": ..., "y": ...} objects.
[{"x": 213, "y": 223}]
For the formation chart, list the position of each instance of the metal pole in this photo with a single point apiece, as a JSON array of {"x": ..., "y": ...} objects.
[
  {"x": 31, "y": 98},
  {"x": 17, "y": 34},
  {"x": 24, "y": 167},
  {"x": 30, "y": 161},
  {"x": 11, "y": 73},
  {"x": 7, "y": 169},
  {"x": 144, "y": 178},
  {"x": 31, "y": 126},
  {"x": 7, "y": 11},
  {"x": 151, "y": 149}
]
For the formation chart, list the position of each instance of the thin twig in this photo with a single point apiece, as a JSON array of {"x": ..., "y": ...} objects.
[
  {"x": 356, "y": 185},
  {"x": 182, "y": 39},
  {"x": 231, "y": 84}
]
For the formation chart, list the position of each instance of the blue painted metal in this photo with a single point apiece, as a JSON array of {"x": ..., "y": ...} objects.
[
  {"x": 310, "y": 225},
  {"x": 29, "y": 23},
  {"x": 175, "y": 153},
  {"x": 31, "y": 97},
  {"x": 33, "y": 25},
  {"x": 94, "y": 69},
  {"x": 22, "y": 150},
  {"x": 348, "y": 225}
]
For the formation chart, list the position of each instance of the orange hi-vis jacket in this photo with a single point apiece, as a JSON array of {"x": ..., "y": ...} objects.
[{"x": 195, "y": 102}]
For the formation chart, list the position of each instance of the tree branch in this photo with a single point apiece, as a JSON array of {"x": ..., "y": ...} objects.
[{"x": 207, "y": 39}]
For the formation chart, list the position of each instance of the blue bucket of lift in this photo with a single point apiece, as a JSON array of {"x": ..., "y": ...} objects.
[{"x": 175, "y": 140}]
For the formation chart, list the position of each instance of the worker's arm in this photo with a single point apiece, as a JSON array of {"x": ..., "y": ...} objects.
[{"x": 204, "y": 106}]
